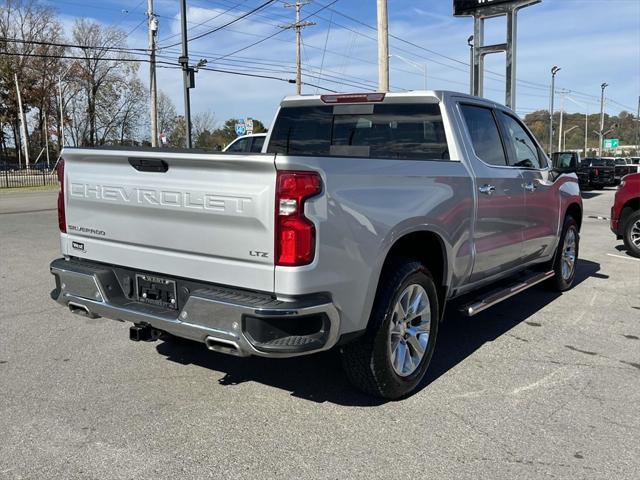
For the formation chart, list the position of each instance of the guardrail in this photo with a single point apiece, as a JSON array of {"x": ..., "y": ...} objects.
[{"x": 27, "y": 178}]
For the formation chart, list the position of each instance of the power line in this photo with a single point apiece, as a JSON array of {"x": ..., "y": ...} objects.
[
  {"x": 70, "y": 45},
  {"x": 206, "y": 21},
  {"x": 274, "y": 34},
  {"x": 241, "y": 17}
]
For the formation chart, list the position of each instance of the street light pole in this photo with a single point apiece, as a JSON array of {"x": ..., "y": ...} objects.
[
  {"x": 554, "y": 71},
  {"x": 586, "y": 121},
  {"x": 564, "y": 137},
  {"x": 562, "y": 95},
  {"x": 601, "y": 133}
]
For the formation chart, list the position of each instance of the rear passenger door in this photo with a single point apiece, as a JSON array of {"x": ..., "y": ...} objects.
[
  {"x": 541, "y": 196},
  {"x": 500, "y": 207}
]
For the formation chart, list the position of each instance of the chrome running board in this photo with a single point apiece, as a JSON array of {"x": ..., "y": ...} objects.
[{"x": 497, "y": 296}]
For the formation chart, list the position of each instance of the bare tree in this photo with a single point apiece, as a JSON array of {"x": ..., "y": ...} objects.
[
  {"x": 103, "y": 64},
  {"x": 166, "y": 114},
  {"x": 27, "y": 29}
]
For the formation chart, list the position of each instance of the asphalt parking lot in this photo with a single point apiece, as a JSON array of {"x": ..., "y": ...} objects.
[{"x": 541, "y": 386}]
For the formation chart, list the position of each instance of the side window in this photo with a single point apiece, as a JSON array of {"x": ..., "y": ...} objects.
[
  {"x": 485, "y": 135},
  {"x": 256, "y": 146},
  {"x": 524, "y": 148},
  {"x": 239, "y": 146}
]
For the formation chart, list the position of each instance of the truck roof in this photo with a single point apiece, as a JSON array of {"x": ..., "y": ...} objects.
[{"x": 414, "y": 96}]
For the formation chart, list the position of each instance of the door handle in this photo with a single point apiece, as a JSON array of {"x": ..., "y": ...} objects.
[
  {"x": 530, "y": 187},
  {"x": 487, "y": 189}
]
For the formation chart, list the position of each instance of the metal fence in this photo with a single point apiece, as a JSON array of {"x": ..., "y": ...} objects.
[{"x": 27, "y": 178}]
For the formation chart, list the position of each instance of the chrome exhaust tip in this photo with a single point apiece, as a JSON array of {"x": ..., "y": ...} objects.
[
  {"x": 81, "y": 310},
  {"x": 222, "y": 345}
]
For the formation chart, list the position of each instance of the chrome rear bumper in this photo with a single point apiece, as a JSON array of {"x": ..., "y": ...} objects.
[{"x": 227, "y": 320}]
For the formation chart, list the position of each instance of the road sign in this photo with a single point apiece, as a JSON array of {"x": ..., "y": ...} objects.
[
  {"x": 469, "y": 7},
  {"x": 249, "y": 126},
  {"x": 611, "y": 143},
  {"x": 241, "y": 128}
]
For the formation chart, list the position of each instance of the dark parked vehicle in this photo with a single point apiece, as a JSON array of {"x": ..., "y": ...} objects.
[
  {"x": 625, "y": 213},
  {"x": 620, "y": 168},
  {"x": 599, "y": 173},
  {"x": 569, "y": 162},
  {"x": 634, "y": 164},
  {"x": 611, "y": 162}
]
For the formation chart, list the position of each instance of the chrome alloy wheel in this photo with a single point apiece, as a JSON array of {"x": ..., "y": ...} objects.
[
  {"x": 410, "y": 326},
  {"x": 634, "y": 236},
  {"x": 569, "y": 254}
]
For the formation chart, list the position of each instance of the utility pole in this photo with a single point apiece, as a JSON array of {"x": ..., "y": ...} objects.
[
  {"x": 187, "y": 73},
  {"x": 601, "y": 132},
  {"x": 153, "y": 90},
  {"x": 554, "y": 71},
  {"x": 383, "y": 46},
  {"x": 61, "y": 139},
  {"x": 470, "y": 43},
  {"x": 298, "y": 26},
  {"x": 23, "y": 124}
]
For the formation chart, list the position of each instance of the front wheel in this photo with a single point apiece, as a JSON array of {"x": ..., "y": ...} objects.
[
  {"x": 391, "y": 359},
  {"x": 566, "y": 258},
  {"x": 631, "y": 234}
]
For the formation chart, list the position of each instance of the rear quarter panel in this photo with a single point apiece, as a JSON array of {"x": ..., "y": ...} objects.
[{"x": 366, "y": 206}]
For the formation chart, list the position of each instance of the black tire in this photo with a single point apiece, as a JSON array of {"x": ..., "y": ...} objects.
[
  {"x": 559, "y": 282},
  {"x": 367, "y": 361},
  {"x": 631, "y": 223}
]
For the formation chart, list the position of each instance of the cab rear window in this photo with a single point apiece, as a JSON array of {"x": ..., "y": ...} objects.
[{"x": 393, "y": 131}]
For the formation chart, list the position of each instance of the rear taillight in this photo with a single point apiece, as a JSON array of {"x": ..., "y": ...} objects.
[
  {"x": 62, "y": 220},
  {"x": 295, "y": 234},
  {"x": 596, "y": 172}
]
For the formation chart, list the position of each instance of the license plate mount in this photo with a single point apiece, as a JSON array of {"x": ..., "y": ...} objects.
[{"x": 156, "y": 291}]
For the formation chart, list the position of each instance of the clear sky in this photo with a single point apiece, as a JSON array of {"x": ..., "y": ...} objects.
[{"x": 593, "y": 41}]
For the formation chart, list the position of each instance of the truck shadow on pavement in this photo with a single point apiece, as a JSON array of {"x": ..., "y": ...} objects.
[{"x": 319, "y": 378}]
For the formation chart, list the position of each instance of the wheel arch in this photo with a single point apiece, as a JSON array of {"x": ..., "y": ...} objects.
[
  {"x": 628, "y": 208},
  {"x": 430, "y": 249},
  {"x": 575, "y": 211}
]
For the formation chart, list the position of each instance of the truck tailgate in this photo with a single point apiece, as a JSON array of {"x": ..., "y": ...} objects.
[{"x": 208, "y": 217}]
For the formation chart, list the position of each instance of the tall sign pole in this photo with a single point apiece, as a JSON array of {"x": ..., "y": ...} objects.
[
  {"x": 482, "y": 10},
  {"x": 187, "y": 73},
  {"x": 153, "y": 90},
  {"x": 23, "y": 124},
  {"x": 383, "y": 46}
]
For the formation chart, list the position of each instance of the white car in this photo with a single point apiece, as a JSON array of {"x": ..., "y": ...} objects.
[{"x": 247, "y": 144}]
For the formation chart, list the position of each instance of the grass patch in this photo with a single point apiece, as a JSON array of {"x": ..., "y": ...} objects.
[{"x": 43, "y": 188}]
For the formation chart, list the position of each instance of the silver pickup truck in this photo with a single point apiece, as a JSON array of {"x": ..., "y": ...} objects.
[{"x": 365, "y": 215}]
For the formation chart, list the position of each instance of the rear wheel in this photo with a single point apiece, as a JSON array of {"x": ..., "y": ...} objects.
[
  {"x": 566, "y": 258},
  {"x": 391, "y": 359},
  {"x": 631, "y": 234}
]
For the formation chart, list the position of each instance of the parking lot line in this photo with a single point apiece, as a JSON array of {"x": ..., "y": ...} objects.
[{"x": 624, "y": 258}]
